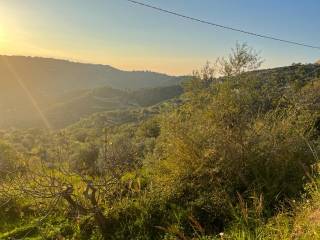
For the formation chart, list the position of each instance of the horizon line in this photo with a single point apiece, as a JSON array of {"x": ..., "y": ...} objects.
[{"x": 79, "y": 61}]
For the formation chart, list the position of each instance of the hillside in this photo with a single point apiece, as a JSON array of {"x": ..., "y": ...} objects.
[
  {"x": 230, "y": 158},
  {"x": 64, "y": 91},
  {"x": 53, "y": 77},
  {"x": 71, "y": 107},
  {"x": 74, "y": 106}
]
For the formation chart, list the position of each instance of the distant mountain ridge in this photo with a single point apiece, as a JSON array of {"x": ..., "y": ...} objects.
[{"x": 53, "y": 75}]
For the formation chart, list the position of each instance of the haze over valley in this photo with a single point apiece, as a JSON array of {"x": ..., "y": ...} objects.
[{"x": 65, "y": 91}]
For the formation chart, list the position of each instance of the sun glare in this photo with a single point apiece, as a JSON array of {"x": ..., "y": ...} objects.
[
  {"x": 1, "y": 32},
  {"x": 3, "y": 39}
]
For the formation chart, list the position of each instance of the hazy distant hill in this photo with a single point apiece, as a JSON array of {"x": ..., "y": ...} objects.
[
  {"x": 71, "y": 107},
  {"x": 74, "y": 106},
  {"x": 56, "y": 76},
  {"x": 67, "y": 90}
]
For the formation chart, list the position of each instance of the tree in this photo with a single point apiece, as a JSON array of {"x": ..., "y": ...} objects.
[
  {"x": 51, "y": 179},
  {"x": 241, "y": 59}
]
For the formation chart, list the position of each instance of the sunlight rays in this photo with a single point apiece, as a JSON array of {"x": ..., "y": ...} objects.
[{"x": 27, "y": 91}]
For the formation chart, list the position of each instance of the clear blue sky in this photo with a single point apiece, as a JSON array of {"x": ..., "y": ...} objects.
[{"x": 127, "y": 36}]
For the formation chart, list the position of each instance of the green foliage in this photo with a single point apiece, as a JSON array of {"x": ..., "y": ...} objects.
[
  {"x": 8, "y": 159},
  {"x": 150, "y": 129},
  {"x": 21, "y": 232},
  {"x": 85, "y": 158}
]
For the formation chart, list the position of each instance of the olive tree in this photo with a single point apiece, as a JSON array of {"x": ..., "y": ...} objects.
[{"x": 242, "y": 58}]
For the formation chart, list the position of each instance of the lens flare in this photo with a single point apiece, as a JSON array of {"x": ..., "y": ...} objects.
[{"x": 27, "y": 91}]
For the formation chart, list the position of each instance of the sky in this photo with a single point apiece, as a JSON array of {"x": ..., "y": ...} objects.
[{"x": 130, "y": 37}]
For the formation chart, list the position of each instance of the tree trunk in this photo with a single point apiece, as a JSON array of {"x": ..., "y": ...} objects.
[{"x": 101, "y": 221}]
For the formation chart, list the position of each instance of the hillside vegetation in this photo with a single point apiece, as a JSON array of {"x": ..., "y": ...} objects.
[{"x": 235, "y": 157}]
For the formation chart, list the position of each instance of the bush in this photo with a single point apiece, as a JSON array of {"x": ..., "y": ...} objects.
[
  {"x": 8, "y": 159},
  {"x": 212, "y": 154}
]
